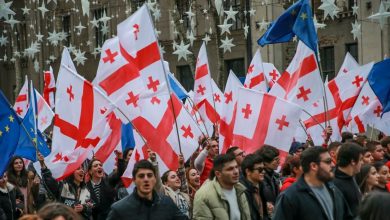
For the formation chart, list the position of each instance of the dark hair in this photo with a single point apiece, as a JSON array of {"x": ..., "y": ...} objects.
[
  {"x": 90, "y": 164},
  {"x": 249, "y": 162},
  {"x": 362, "y": 176},
  {"x": 70, "y": 178},
  {"x": 232, "y": 149},
  {"x": 268, "y": 153},
  {"x": 334, "y": 145},
  {"x": 311, "y": 155},
  {"x": 371, "y": 145},
  {"x": 378, "y": 165},
  {"x": 164, "y": 177},
  {"x": 221, "y": 160},
  {"x": 349, "y": 152},
  {"x": 346, "y": 136},
  {"x": 52, "y": 210},
  {"x": 125, "y": 152},
  {"x": 365, "y": 150},
  {"x": 385, "y": 141},
  {"x": 17, "y": 180},
  {"x": 289, "y": 165},
  {"x": 375, "y": 206},
  {"x": 143, "y": 164}
]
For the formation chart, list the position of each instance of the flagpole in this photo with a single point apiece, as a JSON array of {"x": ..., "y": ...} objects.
[
  {"x": 303, "y": 127},
  {"x": 167, "y": 82},
  {"x": 19, "y": 121},
  {"x": 311, "y": 116},
  {"x": 324, "y": 97},
  {"x": 196, "y": 110}
]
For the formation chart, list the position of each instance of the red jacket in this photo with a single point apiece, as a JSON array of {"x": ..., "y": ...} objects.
[{"x": 287, "y": 183}]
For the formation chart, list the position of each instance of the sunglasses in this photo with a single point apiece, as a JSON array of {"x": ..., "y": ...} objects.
[
  {"x": 260, "y": 169},
  {"x": 327, "y": 161}
]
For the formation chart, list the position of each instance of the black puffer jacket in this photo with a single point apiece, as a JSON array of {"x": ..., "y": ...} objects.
[
  {"x": 269, "y": 188},
  {"x": 135, "y": 207},
  {"x": 8, "y": 207},
  {"x": 299, "y": 202}
]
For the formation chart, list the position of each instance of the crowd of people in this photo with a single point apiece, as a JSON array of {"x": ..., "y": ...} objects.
[{"x": 336, "y": 181}]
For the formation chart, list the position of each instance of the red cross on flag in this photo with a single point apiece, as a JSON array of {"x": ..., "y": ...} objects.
[
  {"x": 49, "y": 87},
  {"x": 206, "y": 99},
  {"x": 191, "y": 108},
  {"x": 160, "y": 119},
  {"x": 349, "y": 63},
  {"x": 226, "y": 124},
  {"x": 218, "y": 97},
  {"x": 300, "y": 82},
  {"x": 264, "y": 119},
  {"x": 367, "y": 110},
  {"x": 119, "y": 78},
  {"x": 45, "y": 113},
  {"x": 255, "y": 78},
  {"x": 83, "y": 118},
  {"x": 271, "y": 73},
  {"x": 21, "y": 102},
  {"x": 342, "y": 92}
]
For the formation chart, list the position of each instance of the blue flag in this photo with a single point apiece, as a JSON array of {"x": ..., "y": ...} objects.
[
  {"x": 379, "y": 80},
  {"x": 31, "y": 139},
  {"x": 9, "y": 132},
  {"x": 177, "y": 88},
  {"x": 127, "y": 137},
  {"x": 296, "y": 20}
]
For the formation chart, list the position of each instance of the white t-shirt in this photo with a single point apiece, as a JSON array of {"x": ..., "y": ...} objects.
[{"x": 231, "y": 197}]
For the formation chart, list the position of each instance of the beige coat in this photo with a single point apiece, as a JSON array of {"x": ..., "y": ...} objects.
[{"x": 211, "y": 203}]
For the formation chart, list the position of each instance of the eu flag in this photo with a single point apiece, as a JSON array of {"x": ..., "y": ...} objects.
[
  {"x": 379, "y": 80},
  {"x": 296, "y": 20},
  {"x": 9, "y": 132}
]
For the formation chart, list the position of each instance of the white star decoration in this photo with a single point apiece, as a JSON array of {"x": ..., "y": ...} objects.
[
  {"x": 246, "y": 29},
  {"x": 182, "y": 51},
  {"x": 190, "y": 13},
  {"x": 252, "y": 12},
  {"x": 263, "y": 25},
  {"x": 225, "y": 27},
  {"x": 53, "y": 38},
  {"x": 231, "y": 14},
  {"x": 36, "y": 65},
  {"x": 104, "y": 29},
  {"x": 227, "y": 44},
  {"x": 381, "y": 16},
  {"x": 43, "y": 9},
  {"x": 329, "y": 8},
  {"x": 79, "y": 57},
  {"x": 94, "y": 22},
  {"x": 12, "y": 22},
  {"x": 206, "y": 38},
  {"x": 80, "y": 28},
  {"x": 104, "y": 18},
  {"x": 85, "y": 7},
  {"x": 355, "y": 9},
  {"x": 3, "y": 40},
  {"x": 191, "y": 38},
  {"x": 32, "y": 50},
  {"x": 157, "y": 14},
  {"x": 318, "y": 25},
  {"x": 218, "y": 6},
  {"x": 39, "y": 37},
  {"x": 356, "y": 28},
  {"x": 25, "y": 10},
  {"x": 5, "y": 9}
]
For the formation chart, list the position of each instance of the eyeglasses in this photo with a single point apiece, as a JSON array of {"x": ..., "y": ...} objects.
[
  {"x": 260, "y": 169},
  {"x": 327, "y": 161}
]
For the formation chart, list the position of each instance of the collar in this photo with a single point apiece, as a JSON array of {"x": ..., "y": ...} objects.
[{"x": 8, "y": 188}]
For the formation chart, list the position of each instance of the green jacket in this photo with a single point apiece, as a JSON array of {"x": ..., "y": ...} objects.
[{"x": 211, "y": 203}]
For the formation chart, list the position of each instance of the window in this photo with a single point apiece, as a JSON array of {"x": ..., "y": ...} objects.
[
  {"x": 66, "y": 28},
  {"x": 239, "y": 22},
  {"x": 352, "y": 48},
  {"x": 351, "y": 3},
  {"x": 237, "y": 66},
  {"x": 183, "y": 6},
  {"x": 100, "y": 37},
  {"x": 327, "y": 62},
  {"x": 185, "y": 77},
  {"x": 135, "y": 4}
]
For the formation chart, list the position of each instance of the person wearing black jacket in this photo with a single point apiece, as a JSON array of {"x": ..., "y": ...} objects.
[
  {"x": 144, "y": 202},
  {"x": 349, "y": 162},
  {"x": 11, "y": 200},
  {"x": 269, "y": 188},
  {"x": 313, "y": 196},
  {"x": 253, "y": 174},
  {"x": 102, "y": 188}
]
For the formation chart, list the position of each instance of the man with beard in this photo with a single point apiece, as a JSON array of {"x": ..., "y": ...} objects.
[
  {"x": 313, "y": 196},
  {"x": 144, "y": 202}
]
